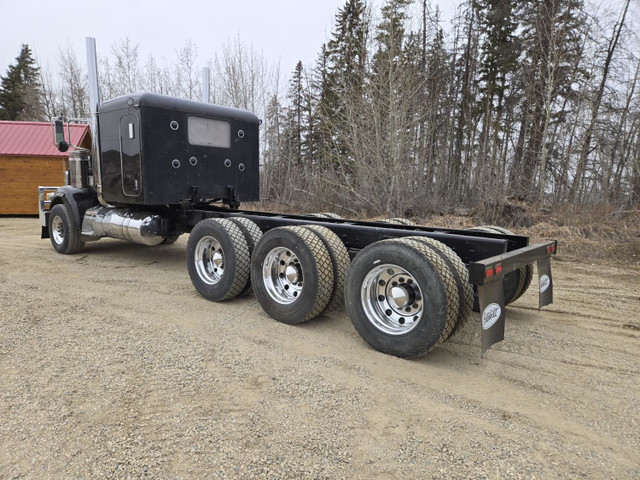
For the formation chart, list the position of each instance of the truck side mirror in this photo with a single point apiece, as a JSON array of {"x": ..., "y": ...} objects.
[{"x": 60, "y": 142}]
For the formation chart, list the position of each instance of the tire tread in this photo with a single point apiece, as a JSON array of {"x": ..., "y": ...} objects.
[{"x": 340, "y": 261}]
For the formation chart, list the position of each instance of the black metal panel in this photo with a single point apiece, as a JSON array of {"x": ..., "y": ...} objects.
[
  {"x": 510, "y": 261},
  {"x": 171, "y": 169}
]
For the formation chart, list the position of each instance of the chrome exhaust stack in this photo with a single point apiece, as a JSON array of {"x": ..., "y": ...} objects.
[
  {"x": 94, "y": 103},
  {"x": 206, "y": 84}
]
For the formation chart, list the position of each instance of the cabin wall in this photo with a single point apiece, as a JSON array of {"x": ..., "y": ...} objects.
[{"x": 20, "y": 178}]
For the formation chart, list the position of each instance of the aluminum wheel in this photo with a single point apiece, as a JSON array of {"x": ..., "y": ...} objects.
[
  {"x": 209, "y": 260},
  {"x": 57, "y": 230},
  {"x": 392, "y": 299},
  {"x": 282, "y": 275}
]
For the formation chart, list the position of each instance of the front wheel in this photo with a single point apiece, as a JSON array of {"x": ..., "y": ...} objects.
[{"x": 63, "y": 231}]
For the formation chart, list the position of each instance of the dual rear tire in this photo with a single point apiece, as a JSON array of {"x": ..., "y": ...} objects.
[
  {"x": 292, "y": 274},
  {"x": 404, "y": 296},
  {"x": 218, "y": 259}
]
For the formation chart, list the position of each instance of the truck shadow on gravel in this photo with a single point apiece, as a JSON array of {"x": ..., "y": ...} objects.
[{"x": 133, "y": 254}]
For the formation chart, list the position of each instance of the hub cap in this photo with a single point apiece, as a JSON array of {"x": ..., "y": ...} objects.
[
  {"x": 392, "y": 299},
  {"x": 282, "y": 275},
  {"x": 209, "y": 259},
  {"x": 57, "y": 230}
]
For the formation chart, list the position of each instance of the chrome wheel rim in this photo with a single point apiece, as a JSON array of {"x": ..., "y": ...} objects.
[
  {"x": 209, "y": 260},
  {"x": 57, "y": 230},
  {"x": 392, "y": 299},
  {"x": 282, "y": 275}
]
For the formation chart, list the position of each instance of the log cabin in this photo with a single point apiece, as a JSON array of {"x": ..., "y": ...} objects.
[{"x": 29, "y": 158}]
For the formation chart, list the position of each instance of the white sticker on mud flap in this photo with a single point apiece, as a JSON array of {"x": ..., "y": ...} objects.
[
  {"x": 491, "y": 315},
  {"x": 545, "y": 282}
]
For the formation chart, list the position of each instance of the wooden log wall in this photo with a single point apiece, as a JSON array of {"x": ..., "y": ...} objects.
[{"x": 20, "y": 178}]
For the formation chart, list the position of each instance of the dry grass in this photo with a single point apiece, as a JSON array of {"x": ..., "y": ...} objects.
[{"x": 597, "y": 234}]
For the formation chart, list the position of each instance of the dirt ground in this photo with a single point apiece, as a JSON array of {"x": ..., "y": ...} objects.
[{"x": 111, "y": 365}]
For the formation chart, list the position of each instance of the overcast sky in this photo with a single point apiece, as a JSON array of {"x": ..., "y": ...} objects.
[{"x": 285, "y": 30}]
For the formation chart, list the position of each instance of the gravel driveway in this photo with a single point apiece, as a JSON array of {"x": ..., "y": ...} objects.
[{"x": 111, "y": 365}]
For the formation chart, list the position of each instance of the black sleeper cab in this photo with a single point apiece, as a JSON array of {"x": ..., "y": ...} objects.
[{"x": 159, "y": 150}]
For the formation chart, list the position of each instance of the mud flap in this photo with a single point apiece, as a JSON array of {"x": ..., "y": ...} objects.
[
  {"x": 545, "y": 282},
  {"x": 491, "y": 298}
]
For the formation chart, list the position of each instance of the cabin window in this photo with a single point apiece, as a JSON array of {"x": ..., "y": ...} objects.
[{"x": 207, "y": 132}]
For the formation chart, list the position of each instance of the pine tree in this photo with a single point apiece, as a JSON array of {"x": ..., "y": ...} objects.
[
  {"x": 500, "y": 50},
  {"x": 464, "y": 67},
  {"x": 295, "y": 99},
  {"x": 552, "y": 39},
  {"x": 345, "y": 62},
  {"x": 20, "y": 89},
  {"x": 274, "y": 178}
]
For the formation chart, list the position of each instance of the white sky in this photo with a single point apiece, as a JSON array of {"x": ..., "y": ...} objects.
[{"x": 285, "y": 30}]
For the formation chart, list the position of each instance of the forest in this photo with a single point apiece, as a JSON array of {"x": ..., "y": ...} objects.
[{"x": 532, "y": 101}]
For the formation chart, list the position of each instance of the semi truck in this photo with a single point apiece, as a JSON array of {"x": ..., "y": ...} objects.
[{"x": 161, "y": 167}]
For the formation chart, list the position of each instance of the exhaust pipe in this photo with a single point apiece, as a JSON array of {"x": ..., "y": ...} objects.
[
  {"x": 94, "y": 103},
  {"x": 206, "y": 82}
]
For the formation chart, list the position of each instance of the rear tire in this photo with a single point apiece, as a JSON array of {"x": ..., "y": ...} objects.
[
  {"x": 401, "y": 297},
  {"x": 512, "y": 282},
  {"x": 331, "y": 215},
  {"x": 252, "y": 235},
  {"x": 340, "y": 261},
  {"x": 64, "y": 233},
  {"x": 398, "y": 221},
  {"x": 292, "y": 274},
  {"x": 460, "y": 274},
  {"x": 526, "y": 272},
  {"x": 325, "y": 215},
  {"x": 218, "y": 259}
]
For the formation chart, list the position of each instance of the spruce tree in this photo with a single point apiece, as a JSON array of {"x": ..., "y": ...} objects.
[
  {"x": 20, "y": 89},
  {"x": 500, "y": 51},
  {"x": 552, "y": 39},
  {"x": 344, "y": 78},
  {"x": 295, "y": 98}
]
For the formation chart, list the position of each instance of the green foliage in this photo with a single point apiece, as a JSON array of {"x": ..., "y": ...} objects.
[
  {"x": 20, "y": 89},
  {"x": 341, "y": 78}
]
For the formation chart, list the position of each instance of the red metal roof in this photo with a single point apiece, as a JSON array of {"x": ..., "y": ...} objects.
[{"x": 34, "y": 138}]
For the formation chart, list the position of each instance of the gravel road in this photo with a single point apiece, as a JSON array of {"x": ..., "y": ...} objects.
[{"x": 111, "y": 365}]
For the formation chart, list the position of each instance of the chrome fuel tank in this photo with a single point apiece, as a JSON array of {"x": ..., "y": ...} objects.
[{"x": 137, "y": 227}]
